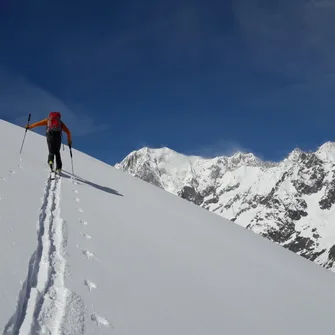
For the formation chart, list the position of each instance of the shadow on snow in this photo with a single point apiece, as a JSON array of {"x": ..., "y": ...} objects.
[{"x": 106, "y": 189}]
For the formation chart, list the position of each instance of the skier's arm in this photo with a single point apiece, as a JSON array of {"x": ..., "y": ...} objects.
[
  {"x": 37, "y": 124},
  {"x": 68, "y": 133}
]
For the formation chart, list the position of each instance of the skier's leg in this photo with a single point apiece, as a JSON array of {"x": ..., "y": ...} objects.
[
  {"x": 58, "y": 161},
  {"x": 58, "y": 145},
  {"x": 51, "y": 150}
]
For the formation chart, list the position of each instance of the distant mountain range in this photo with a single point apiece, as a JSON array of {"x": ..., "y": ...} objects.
[{"x": 290, "y": 202}]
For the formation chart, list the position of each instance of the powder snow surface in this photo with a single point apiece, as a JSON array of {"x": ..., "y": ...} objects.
[{"x": 110, "y": 254}]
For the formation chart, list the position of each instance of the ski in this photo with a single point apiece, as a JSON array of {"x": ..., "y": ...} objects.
[{"x": 54, "y": 175}]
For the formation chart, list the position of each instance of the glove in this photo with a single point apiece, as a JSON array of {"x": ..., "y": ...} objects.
[
  {"x": 69, "y": 143},
  {"x": 27, "y": 126}
]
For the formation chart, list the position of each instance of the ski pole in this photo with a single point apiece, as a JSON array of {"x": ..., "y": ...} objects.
[
  {"x": 25, "y": 133},
  {"x": 70, "y": 147}
]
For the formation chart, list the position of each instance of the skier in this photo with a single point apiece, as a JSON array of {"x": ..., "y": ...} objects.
[{"x": 54, "y": 128}]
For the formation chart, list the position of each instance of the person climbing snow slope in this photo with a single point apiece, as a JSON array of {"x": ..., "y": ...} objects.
[{"x": 54, "y": 127}]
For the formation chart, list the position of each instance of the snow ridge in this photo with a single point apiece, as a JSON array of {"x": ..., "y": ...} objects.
[{"x": 41, "y": 303}]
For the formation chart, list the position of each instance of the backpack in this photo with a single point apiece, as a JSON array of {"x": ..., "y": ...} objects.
[{"x": 54, "y": 123}]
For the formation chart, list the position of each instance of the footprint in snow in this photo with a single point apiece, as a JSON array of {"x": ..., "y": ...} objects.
[
  {"x": 100, "y": 321},
  {"x": 80, "y": 210},
  {"x": 75, "y": 191},
  {"x": 86, "y": 252},
  {"x": 90, "y": 285},
  {"x": 88, "y": 237},
  {"x": 12, "y": 172},
  {"x": 76, "y": 199},
  {"x": 85, "y": 223}
]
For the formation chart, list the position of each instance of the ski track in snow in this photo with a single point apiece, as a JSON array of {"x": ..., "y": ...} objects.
[{"x": 42, "y": 300}]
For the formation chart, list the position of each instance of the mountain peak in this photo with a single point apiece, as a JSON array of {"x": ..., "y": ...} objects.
[
  {"x": 327, "y": 146},
  {"x": 327, "y": 151},
  {"x": 245, "y": 157},
  {"x": 295, "y": 155}
]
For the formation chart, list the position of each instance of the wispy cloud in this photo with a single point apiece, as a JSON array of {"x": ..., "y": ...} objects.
[
  {"x": 19, "y": 97},
  {"x": 220, "y": 148}
]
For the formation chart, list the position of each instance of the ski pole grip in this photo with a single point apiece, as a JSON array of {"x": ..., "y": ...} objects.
[{"x": 29, "y": 117}]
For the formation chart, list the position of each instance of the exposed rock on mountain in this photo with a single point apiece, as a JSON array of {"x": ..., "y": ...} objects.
[{"x": 290, "y": 202}]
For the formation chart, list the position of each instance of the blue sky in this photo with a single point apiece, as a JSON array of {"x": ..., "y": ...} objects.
[{"x": 201, "y": 77}]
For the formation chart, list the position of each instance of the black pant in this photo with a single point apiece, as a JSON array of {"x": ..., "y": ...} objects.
[{"x": 54, "y": 140}]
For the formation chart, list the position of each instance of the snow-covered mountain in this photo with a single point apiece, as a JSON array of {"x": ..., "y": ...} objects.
[
  {"x": 291, "y": 202},
  {"x": 107, "y": 253}
]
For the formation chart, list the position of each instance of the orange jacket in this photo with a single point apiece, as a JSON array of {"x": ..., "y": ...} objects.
[{"x": 45, "y": 122}]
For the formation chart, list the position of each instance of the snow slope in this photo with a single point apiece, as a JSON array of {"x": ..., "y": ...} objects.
[
  {"x": 290, "y": 202},
  {"x": 111, "y": 254}
]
